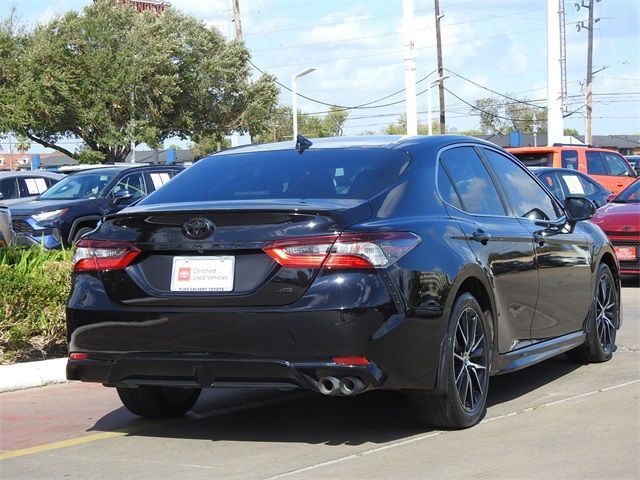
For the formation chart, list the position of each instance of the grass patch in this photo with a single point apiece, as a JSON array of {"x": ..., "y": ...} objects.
[{"x": 34, "y": 287}]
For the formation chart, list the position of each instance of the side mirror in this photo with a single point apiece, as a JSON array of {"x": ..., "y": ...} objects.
[
  {"x": 122, "y": 196},
  {"x": 578, "y": 208}
]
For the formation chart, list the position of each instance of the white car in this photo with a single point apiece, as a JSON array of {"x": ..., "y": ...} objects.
[{"x": 24, "y": 186}]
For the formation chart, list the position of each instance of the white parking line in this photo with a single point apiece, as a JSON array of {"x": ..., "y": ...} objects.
[{"x": 440, "y": 432}]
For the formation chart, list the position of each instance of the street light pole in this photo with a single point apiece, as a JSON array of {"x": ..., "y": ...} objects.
[
  {"x": 294, "y": 99},
  {"x": 432, "y": 84}
]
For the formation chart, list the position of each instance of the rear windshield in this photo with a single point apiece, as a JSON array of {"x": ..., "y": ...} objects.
[
  {"x": 535, "y": 159},
  {"x": 328, "y": 173}
]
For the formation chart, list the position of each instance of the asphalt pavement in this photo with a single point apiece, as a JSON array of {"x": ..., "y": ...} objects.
[{"x": 555, "y": 420}]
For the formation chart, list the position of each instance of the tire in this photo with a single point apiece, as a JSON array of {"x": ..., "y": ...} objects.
[
  {"x": 158, "y": 402},
  {"x": 603, "y": 321},
  {"x": 80, "y": 232},
  {"x": 466, "y": 360}
]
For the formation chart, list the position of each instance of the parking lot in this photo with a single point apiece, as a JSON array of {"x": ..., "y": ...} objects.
[{"x": 554, "y": 420}]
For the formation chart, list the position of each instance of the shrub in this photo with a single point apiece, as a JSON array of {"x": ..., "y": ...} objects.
[{"x": 34, "y": 286}]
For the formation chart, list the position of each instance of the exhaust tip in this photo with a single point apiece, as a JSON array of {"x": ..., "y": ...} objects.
[
  {"x": 351, "y": 386},
  {"x": 329, "y": 385}
]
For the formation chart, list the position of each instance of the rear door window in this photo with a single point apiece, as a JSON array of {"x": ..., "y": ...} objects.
[
  {"x": 527, "y": 198},
  {"x": 596, "y": 164},
  {"x": 590, "y": 187},
  {"x": 471, "y": 181},
  {"x": 31, "y": 186},
  {"x": 157, "y": 179},
  {"x": 445, "y": 187},
  {"x": 569, "y": 159}
]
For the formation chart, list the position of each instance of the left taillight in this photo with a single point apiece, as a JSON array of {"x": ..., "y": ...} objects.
[
  {"x": 349, "y": 250},
  {"x": 103, "y": 255}
]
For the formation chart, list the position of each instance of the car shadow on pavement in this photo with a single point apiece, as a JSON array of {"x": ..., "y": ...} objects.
[{"x": 374, "y": 417}]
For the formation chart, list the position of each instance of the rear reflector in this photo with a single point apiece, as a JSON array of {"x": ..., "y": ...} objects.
[
  {"x": 103, "y": 255},
  {"x": 78, "y": 356},
  {"x": 350, "y": 360},
  {"x": 349, "y": 250}
]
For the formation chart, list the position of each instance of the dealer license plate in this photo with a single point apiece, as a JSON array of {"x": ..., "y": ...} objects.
[
  {"x": 203, "y": 274},
  {"x": 625, "y": 253}
]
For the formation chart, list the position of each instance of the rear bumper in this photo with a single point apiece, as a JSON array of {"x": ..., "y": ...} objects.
[
  {"x": 206, "y": 372},
  {"x": 291, "y": 345}
]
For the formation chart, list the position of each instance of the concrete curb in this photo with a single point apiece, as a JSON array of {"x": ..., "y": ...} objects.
[{"x": 32, "y": 374}]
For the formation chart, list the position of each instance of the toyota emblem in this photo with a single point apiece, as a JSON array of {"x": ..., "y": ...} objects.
[{"x": 198, "y": 228}]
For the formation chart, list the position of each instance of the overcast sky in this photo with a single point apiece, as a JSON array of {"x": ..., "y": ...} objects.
[{"x": 357, "y": 48}]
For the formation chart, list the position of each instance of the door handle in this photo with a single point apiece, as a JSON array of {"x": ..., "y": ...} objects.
[
  {"x": 539, "y": 238},
  {"x": 480, "y": 236}
]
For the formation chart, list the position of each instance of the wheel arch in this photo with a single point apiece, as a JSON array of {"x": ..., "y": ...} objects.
[
  {"x": 89, "y": 221},
  {"x": 474, "y": 281}
]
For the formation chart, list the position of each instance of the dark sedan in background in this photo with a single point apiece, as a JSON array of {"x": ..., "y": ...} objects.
[
  {"x": 75, "y": 205},
  {"x": 421, "y": 264},
  {"x": 564, "y": 182}
]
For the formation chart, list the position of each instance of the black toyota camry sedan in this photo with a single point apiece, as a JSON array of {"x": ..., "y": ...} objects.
[{"x": 421, "y": 264}]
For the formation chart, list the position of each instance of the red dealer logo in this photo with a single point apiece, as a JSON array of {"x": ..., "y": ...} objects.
[{"x": 184, "y": 274}]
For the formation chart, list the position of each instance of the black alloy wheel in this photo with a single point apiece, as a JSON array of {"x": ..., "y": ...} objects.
[
  {"x": 602, "y": 325},
  {"x": 469, "y": 359},
  {"x": 466, "y": 361},
  {"x": 606, "y": 313},
  {"x": 152, "y": 401}
]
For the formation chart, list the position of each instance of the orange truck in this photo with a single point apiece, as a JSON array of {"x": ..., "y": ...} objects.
[{"x": 607, "y": 167}]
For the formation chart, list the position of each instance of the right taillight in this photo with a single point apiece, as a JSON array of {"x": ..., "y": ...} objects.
[
  {"x": 349, "y": 250},
  {"x": 103, "y": 255}
]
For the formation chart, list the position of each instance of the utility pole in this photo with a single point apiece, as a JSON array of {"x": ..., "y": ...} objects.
[
  {"x": 236, "y": 20},
  {"x": 410, "y": 68},
  {"x": 555, "y": 130},
  {"x": 443, "y": 128},
  {"x": 588, "y": 86}
]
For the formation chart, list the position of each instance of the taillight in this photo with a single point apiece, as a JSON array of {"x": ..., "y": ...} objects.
[
  {"x": 353, "y": 360},
  {"x": 103, "y": 255},
  {"x": 349, "y": 250}
]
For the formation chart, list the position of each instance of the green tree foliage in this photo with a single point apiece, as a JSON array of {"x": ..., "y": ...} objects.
[
  {"x": 571, "y": 131},
  {"x": 400, "y": 127},
  {"x": 501, "y": 115},
  {"x": 208, "y": 145},
  {"x": 110, "y": 75},
  {"x": 280, "y": 127}
]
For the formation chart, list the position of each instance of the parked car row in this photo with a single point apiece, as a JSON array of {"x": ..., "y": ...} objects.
[
  {"x": 608, "y": 168},
  {"x": 74, "y": 206}
]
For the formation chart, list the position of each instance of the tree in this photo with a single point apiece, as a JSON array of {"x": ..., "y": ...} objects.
[
  {"x": 400, "y": 128},
  {"x": 23, "y": 144},
  {"x": 111, "y": 75},
  {"x": 571, "y": 131},
  {"x": 280, "y": 126},
  {"x": 498, "y": 115},
  {"x": 208, "y": 145}
]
